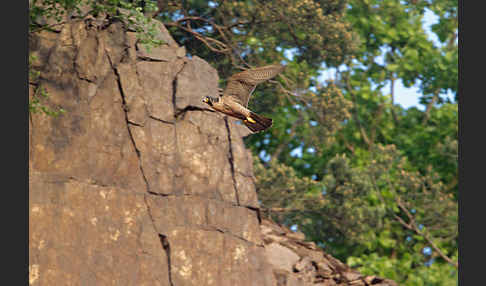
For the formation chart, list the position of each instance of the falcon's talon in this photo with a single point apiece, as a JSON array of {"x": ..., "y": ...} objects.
[{"x": 249, "y": 119}]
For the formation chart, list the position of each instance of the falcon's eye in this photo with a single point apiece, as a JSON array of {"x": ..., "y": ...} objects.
[{"x": 206, "y": 99}]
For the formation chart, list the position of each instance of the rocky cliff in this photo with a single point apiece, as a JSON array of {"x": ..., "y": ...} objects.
[{"x": 138, "y": 183}]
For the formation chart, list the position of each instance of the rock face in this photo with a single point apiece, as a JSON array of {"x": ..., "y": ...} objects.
[
  {"x": 138, "y": 183},
  {"x": 296, "y": 262}
]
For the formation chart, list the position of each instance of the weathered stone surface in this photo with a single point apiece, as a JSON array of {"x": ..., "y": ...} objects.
[
  {"x": 201, "y": 257},
  {"x": 91, "y": 63},
  {"x": 199, "y": 213},
  {"x": 116, "y": 42},
  {"x": 90, "y": 141},
  {"x": 81, "y": 233},
  {"x": 157, "y": 80},
  {"x": 40, "y": 48},
  {"x": 196, "y": 80},
  {"x": 157, "y": 150},
  {"x": 203, "y": 156},
  {"x": 181, "y": 52},
  {"x": 132, "y": 93},
  {"x": 131, "y": 42},
  {"x": 160, "y": 53},
  {"x": 281, "y": 257}
]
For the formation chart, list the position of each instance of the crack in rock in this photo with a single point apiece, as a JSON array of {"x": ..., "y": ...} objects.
[
  {"x": 190, "y": 108},
  {"x": 227, "y": 203},
  {"x": 174, "y": 89},
  {"x": 176, "y": 164},
  {"x": 164, "y": 241},
  {"x": 231, "y": 160},
  {"x": 148, "y": 59},
  {"x": 133, "y": 123},
  {"x": 160, "y": 120},
  {"x": 257, "y": 210},
  {"x": 137, "y": 151}
]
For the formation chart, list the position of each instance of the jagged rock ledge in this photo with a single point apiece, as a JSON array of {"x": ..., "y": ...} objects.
[{"x": 296, "y": 261}]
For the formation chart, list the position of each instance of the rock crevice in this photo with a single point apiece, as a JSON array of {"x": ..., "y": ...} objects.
[
  {"x": 132, "y": 140},
  {"x": 231, "y": 161},
  {"x": 164, "y": 241}
]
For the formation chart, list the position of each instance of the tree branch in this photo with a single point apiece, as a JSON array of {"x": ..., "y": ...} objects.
[
  {"x": 431, "y": 103},
  {"x": 355, "y": 111},
  {"x": 411, "y": 225},
  {"x": 219, "y": 47},
  {"x": 392, "y": 94}
]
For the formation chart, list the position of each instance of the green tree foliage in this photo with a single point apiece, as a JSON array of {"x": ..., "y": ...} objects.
[
  {"x": 46, "y": 14},
  {"x": 258, "y": 32},
  {"x": 374, "y": 184}
]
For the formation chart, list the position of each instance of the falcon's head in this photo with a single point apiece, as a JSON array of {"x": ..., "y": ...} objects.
[{"x": 210, "y": 100}]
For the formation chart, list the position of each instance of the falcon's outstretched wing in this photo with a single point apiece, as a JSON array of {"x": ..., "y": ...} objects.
[{"x": 241, "y": 85}]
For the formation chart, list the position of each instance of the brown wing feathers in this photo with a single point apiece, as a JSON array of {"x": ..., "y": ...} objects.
[
  {"x": 258, "y": 75},
  {"x": 241, "y": 85}
]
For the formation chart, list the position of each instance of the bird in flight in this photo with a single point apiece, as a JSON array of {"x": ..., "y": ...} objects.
[{"x": 234, "y": 100}]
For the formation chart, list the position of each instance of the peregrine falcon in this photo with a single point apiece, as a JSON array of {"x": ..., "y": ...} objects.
[{"x": 234, "y": 100}]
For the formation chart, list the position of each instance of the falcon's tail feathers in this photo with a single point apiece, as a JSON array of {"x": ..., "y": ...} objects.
[{"x": 261, "y": 122}]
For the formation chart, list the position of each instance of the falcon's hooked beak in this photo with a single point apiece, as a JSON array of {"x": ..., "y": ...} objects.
[{"x": 207, "y": 100}]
